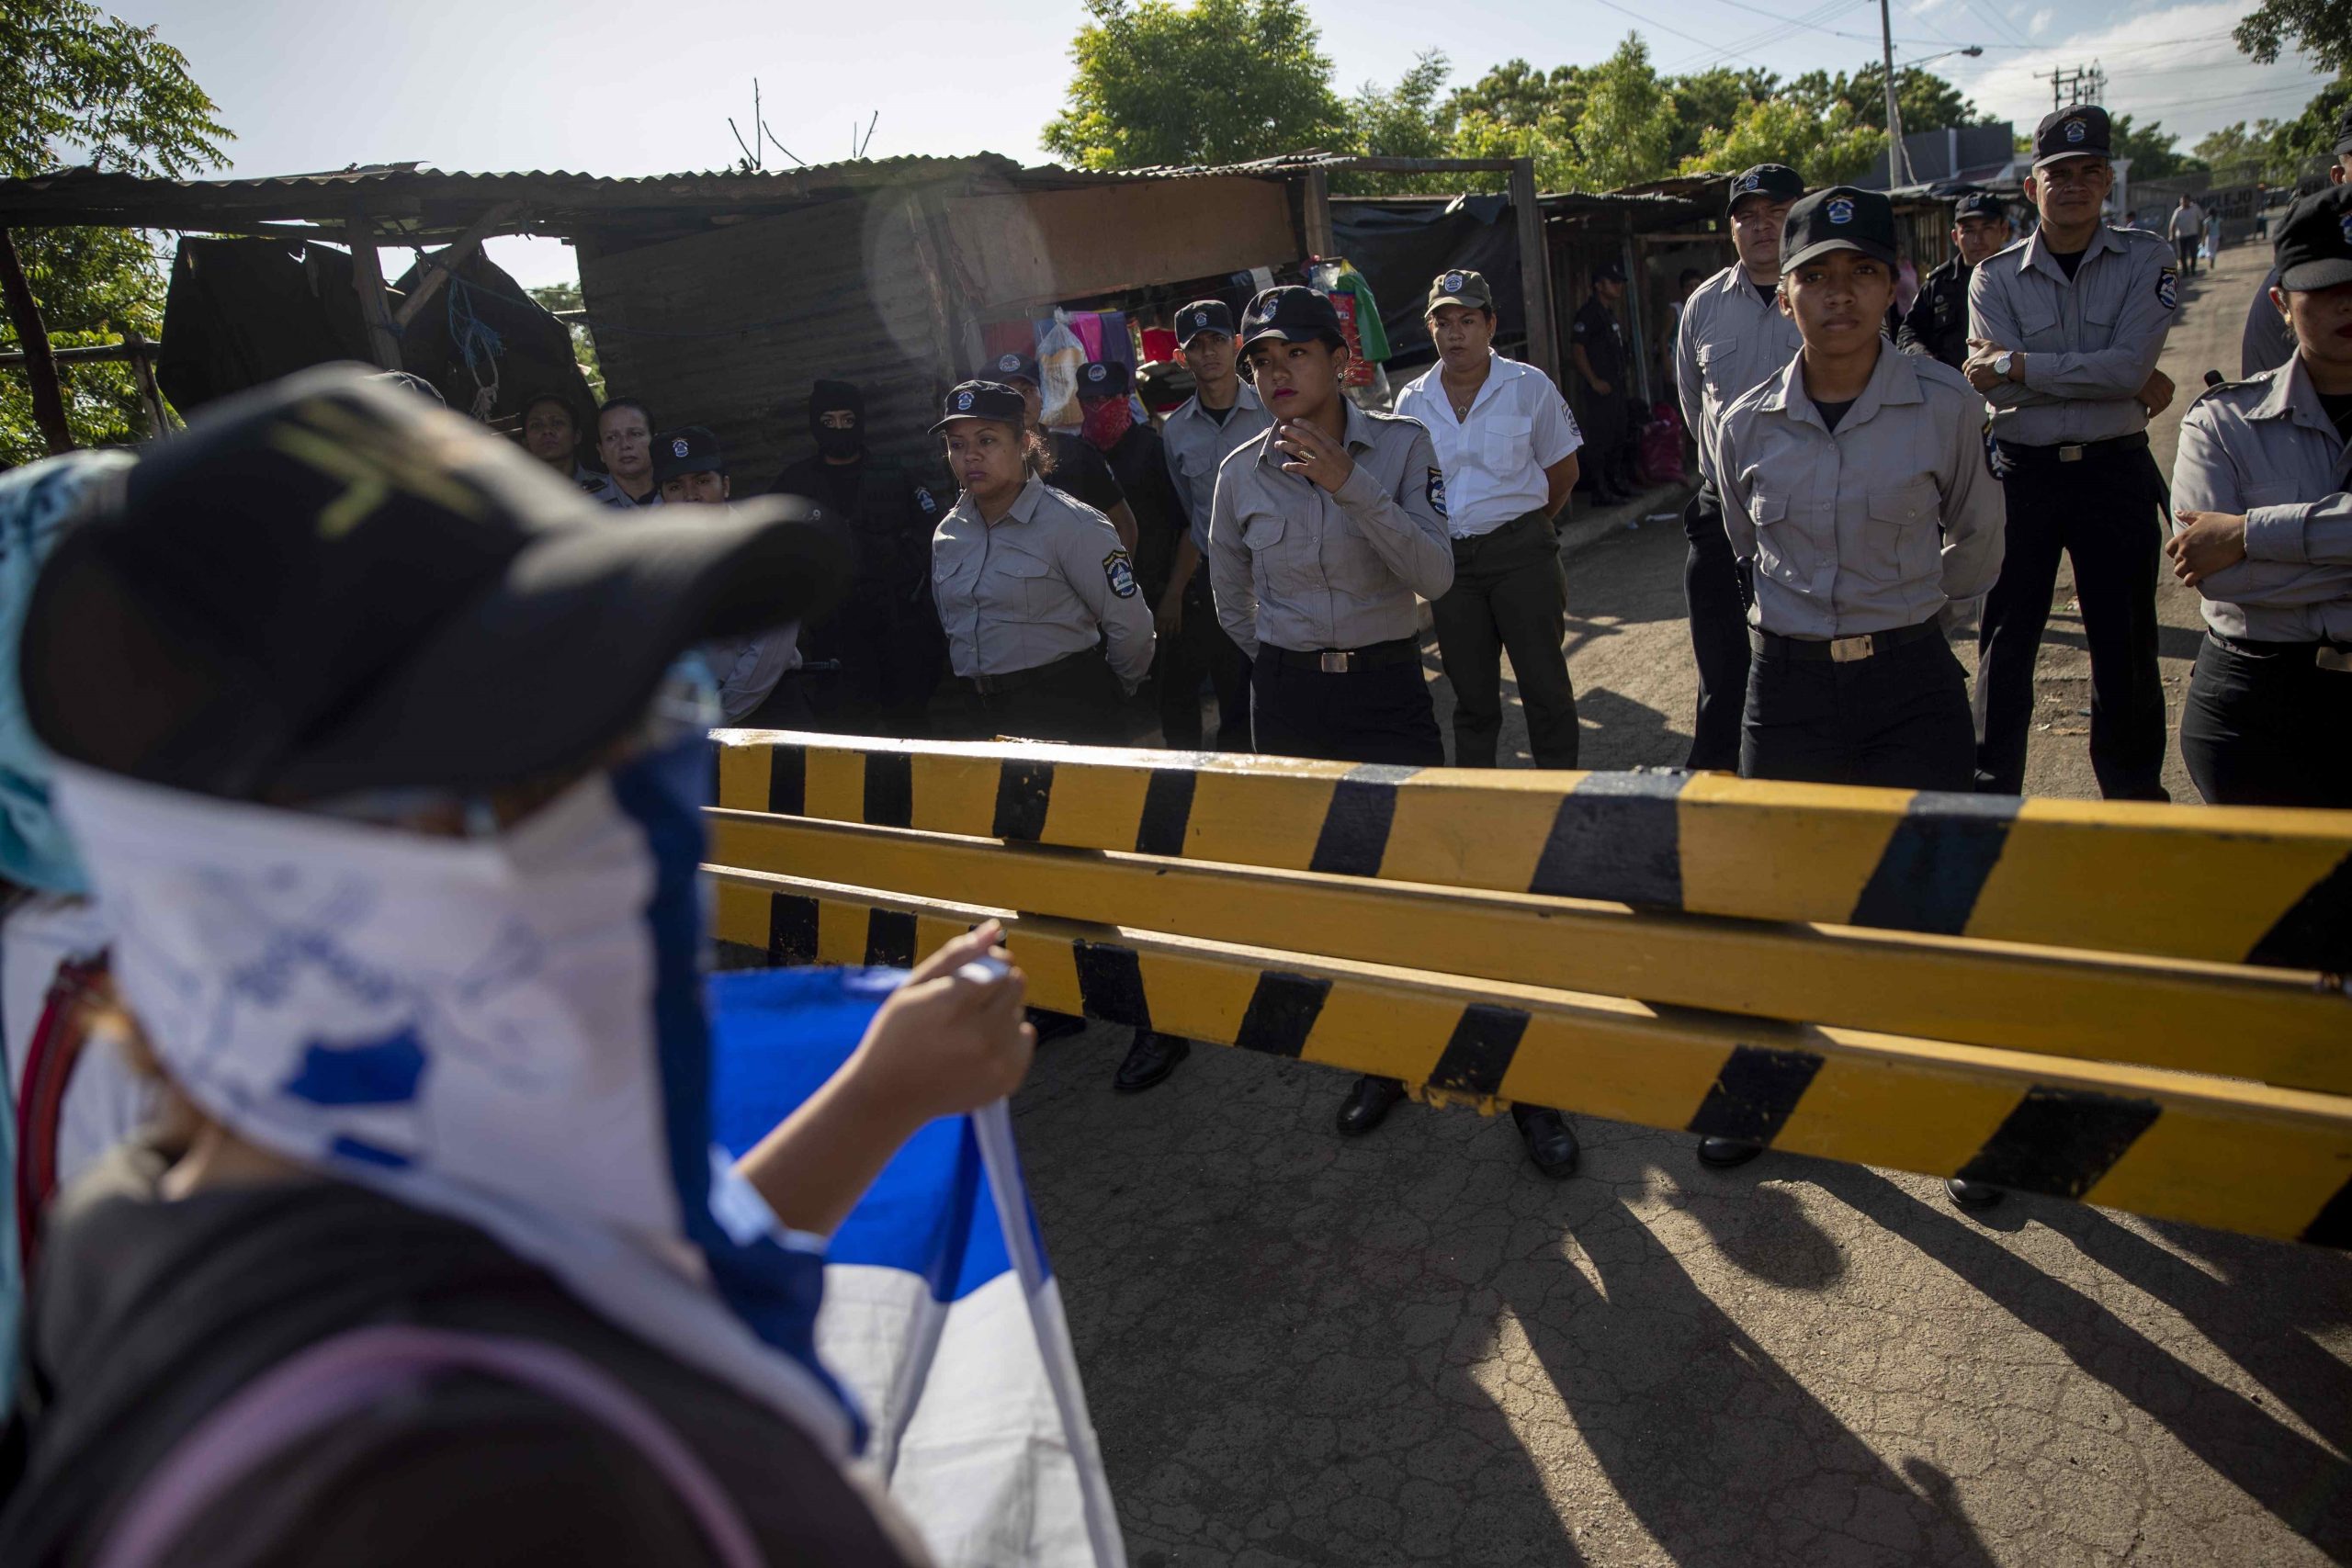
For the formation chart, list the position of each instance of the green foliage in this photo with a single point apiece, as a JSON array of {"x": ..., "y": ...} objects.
[
  {"x": 1707, "y": 103},
  {"x": 2322, "y": 28},
  {"x": 2240, "y": 153},
  {"x": 566, "y": 297},
  {"x": 1627, "y": 131},
  {"x": 1925, "y": 100},
  {"x": 2279, "y": 152},
  {"x": 2155, "y": 152},
  {"x": 1212, "y": 81},
  {"x": 77, "y": 86},
  {"x": 1516, "y": 94},
  {"x": 1400, "y": 122},
  {"x": 1824, "y": 147}
]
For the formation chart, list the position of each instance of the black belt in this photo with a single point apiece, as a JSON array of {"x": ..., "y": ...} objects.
[
  {"x": 1015, "y": 680},
  {"x": 2026, "y": 456},
  {"x": 1349, "y": 660},
  {"x": 2326, "y": 655},
  {"x": 1838, "y": 649}
]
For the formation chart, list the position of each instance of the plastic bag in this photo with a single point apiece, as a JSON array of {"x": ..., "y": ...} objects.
[{"x": 1059, "y": 356}]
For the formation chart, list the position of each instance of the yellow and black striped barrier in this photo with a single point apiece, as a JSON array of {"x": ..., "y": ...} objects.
[
  {"x": 2245, "y": 886},
  {"x": 2246, "y": 1156}
]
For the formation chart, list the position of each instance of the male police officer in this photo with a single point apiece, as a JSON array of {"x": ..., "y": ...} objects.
[
  {"x": 1079, "y": 470},
  {"x": 2268, "y": 341},
  {"x": 625, "y": 440},
  {"x": 1508, "y": 450},
  {"x": 1597, "y": 345},
  {"x": 1223, "y": 415},
  {"x": 2064, "y": 332},
  {"x": 1937, "y": 323},
  {"x": 1139, "y": 460},
  {"x": 1733, "y": 337},
  {"x": 758, "y": 675}
]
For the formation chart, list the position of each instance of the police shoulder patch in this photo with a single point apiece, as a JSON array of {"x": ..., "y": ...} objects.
[
  {"x": 924, "y": 500},
  {"x": 1437, "y": 491},
  {"x": 2168, "y": 288},
  {"x": 1120, "y": 573}
]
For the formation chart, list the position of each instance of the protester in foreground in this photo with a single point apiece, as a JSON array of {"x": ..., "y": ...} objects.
[
  {"x": 1139, "y": 462},
  {"x": 2268, "y": 341},
  {"x": 759, "y": 674},
  {"x": 2265, "y": 535},
  {"x": 1733, "y": 337},
  {"x": 1937, "y": 322},
  {"x": 1223, "y": 415},
  {"x": 1507, "y": 448},
  {"x": 2065, "y": 329},
  {"x": 551, "y": 434},
  {"x": 625, "y": 442},
  {"x": 1597, "y": 345},
  {"x": 885, "y": 633},
  {"x": 1075, "y": 468},
  {"x": 376, "y": 743}
]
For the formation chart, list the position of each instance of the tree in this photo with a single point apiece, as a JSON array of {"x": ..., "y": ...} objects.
[
  {"x": 2155, "y": 152},
  {"x": 2306, "y": 144},
  {"x": 2239, "y": 152},
  {"x": 2321, "y": 28},
  {"x": 1825, "y": 148},
  {"x": 1212, "y": 81},
  {"x": 1515, "y": 94},
  {"x": 1402, "y": 121},
  {"x": 1925, "y": 100},
  {"x": 1627, "y": 131},
  {"x": 77, "y": 84},
  {"x": 1709, "y": 101},
  {"x": 566, "y": 297}
]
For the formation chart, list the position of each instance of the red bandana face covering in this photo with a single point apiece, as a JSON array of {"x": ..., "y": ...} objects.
[{"x": 1106, "y": 422}]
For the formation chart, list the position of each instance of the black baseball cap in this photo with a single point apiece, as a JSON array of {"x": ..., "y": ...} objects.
[
  {"x": 1105, "y": 379},
  {"x": 1842, "y": 218},
  {"x": 2315, "y": 245},
  {"x": 327, "y": 585},
  {"x": 1773, "y": 182},
  {"x": 1293, "y": 314},
  {"x": 1012, "y": 367},
  {"x": 693, "y": 450},
  {"x": 2081, "y": 132},
  {"x": 1458, "y": 286},
  {"x": 983, "y": 400},
  {"x": 1610, "y": 271},
  {"x": 1979, "y": 204},
  {"x": 1204, "y": 316}
]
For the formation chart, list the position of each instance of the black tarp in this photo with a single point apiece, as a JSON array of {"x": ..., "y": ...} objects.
[
  {"x": 244, "y": 312},
  {"x": 515, "y": 344},
  {"x": 1400, "y": 246}
]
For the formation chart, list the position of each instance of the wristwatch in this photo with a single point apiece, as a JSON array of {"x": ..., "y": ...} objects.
[{"x": 2003, "y": 362}]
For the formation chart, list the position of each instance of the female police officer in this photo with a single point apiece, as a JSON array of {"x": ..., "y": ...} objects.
[
  {"x": 2265, "y": 535},
  {"x": 1857, "y": 493},
  {"x": 1034, "y": 589}
]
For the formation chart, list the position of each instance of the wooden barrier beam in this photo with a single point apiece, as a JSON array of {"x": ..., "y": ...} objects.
[
  {"x": 2227, "y": 885},
  {"x": 2242, "y": 1156}
]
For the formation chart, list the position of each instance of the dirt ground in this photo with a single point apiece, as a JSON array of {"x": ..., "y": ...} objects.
[{"x": 1412, "y": 1348}]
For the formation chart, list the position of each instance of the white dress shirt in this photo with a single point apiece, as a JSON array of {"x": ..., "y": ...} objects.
[{"x": 1494, "y": 459}]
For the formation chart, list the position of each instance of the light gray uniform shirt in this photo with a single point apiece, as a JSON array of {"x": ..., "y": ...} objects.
[
  {"x": 1876, "y": 526},
  {"x": 2089, "y": 343},
  {"x": 606, "y": 491},
  {"x": 1197, "y": 443},
  {"x": 2262, "y": 448},
  {"x": 1306, "y": 569},
  {"x": 1051, "y": 579},
  {"x": 1731, "y": 339}
]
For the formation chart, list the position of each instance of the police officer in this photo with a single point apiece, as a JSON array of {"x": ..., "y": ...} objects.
[
  {"x": 624, "y": 441},
  {"x": 1139, "y": 462},
  {"x": 1320, "y": 534},
  {"x": 2064, "y": 332},
  {"x": 1733, "y": 337},
  {"x": 2266, "y": 537},
  {"x": 884, "y": 635},
  {"x": 1938, "y": 323},
  {"x": 2268, "y": 341},
  {"x": 1223, "y": 415},
  {"x": 759, "y": 676},
  {"x": 1073, "y": 468},
  {"x": 1597, "y": 345},
  {"x": 1508, "y": 451}
]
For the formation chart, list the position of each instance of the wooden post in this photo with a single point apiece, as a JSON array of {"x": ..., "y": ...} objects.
[
  {"x": 41, "y": 370},
  {"x": 367, "y": 281},
  {"x": 1316, "y": 214},
  {"x": 142, "y": 370},
  {"x": 1534, "y": 270},
  {"x": 444, "y": 262}
]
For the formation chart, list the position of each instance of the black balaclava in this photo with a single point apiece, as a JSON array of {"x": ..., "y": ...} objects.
[{"x": 831, "y": 397}]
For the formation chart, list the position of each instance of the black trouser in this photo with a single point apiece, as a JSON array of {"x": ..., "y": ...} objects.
[
  {"x": 1201, "y": 648},
  {"x": 1718, "y": 606},
  {"x": 892, "y": 653},
  {"x": 1506, "y": 595},
  {"x": 1075, "y": 698},
  {"x": 2265, "y": 725},
  {"x": 1606, "y": 439},
  {"x": 2184, "y": 247},
  {"x": 2103, "y": 513},
  {"x": 788, "y": 705},
  {"x": 1897, "y": 719},
  {"x": 1381, "y": 713}
]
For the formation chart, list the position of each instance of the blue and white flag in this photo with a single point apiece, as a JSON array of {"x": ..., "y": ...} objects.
[{"x": 952, "y": 1342}]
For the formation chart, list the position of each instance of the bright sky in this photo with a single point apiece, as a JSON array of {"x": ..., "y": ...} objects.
[{"x": 606, "y": 87}]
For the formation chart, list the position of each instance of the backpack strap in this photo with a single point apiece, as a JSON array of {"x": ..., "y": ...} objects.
[
  {"x": 341, "y": 1376},
  {"x": 51, "y": 1055}
]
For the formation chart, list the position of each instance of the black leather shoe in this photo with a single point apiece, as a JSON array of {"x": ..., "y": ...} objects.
[
  {"x": 1973, "y": 1194},
  {"x": 1055, "y": 1025},
  {"x": 1724, "y": 1153},
  {"x": 1550, "y": 1144},
  {"x": 1152, "y": 1057},
  {"x": 1368, "y": 1104}
]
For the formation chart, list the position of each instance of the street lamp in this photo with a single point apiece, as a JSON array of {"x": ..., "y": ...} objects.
[{"x": 1898, "y": 157}]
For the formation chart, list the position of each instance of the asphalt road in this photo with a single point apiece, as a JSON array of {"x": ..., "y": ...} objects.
[{"x": 1411, "y": 1348}]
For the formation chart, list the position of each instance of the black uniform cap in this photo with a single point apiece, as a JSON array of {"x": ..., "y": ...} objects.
[
  {"x": 693, "y": 450},
  {"x": 1610, "y": 271},
  {"x": 1979, "y": 204},
  {"x": 2315, "y": 245},
  {"x": 1843, "y": 218},
  {"x": 1011, "y": 368},
  {"x": 1204, "y": 316},
  {"x": 1292, "y": 313},
  {"x": 983, "y": 400},
  {"x": 1104, "y": 379},
  {"x": 1773, "y": 182},
  {"x": 2081, "y": 132}
]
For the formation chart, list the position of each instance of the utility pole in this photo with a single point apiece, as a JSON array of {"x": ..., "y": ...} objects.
[
  {"x": 1898, "y": 164},
  {"x": 2078, "y": 85}
]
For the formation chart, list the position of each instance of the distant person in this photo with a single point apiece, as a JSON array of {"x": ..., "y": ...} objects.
[
  {"x": 1139, "y": 459},
  {"x": 1597, "y": 347},
  {"x": 551, "y": 434},
  {"x": 2269, "y": 340},
  {"x": 624, "y": 441},
  {"x": 758, "y": 673},
  {"x": 1076, "y": 469},
  {"x": 2186, "y": 227},
  {"x": 1937, "y": 324}
]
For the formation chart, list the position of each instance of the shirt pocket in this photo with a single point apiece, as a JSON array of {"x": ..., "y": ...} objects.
[
  {"x": 1715, "y": 359},
  {"x": 2041, "y": 326},
  {"x": 1903, "y": 541},
  {"x": 1029, "y": 589},
  {"x": 1785, "y": 551},
  {"x": 1504, "y": 446}
]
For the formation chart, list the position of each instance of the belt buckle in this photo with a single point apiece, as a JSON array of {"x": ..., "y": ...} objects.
[
  {"x": 1847, "y": 650},
  {"x": 2070, "y": 453},
  {"x": 1335, "y": 663},
  {"x": 2337, "y": 661}
]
